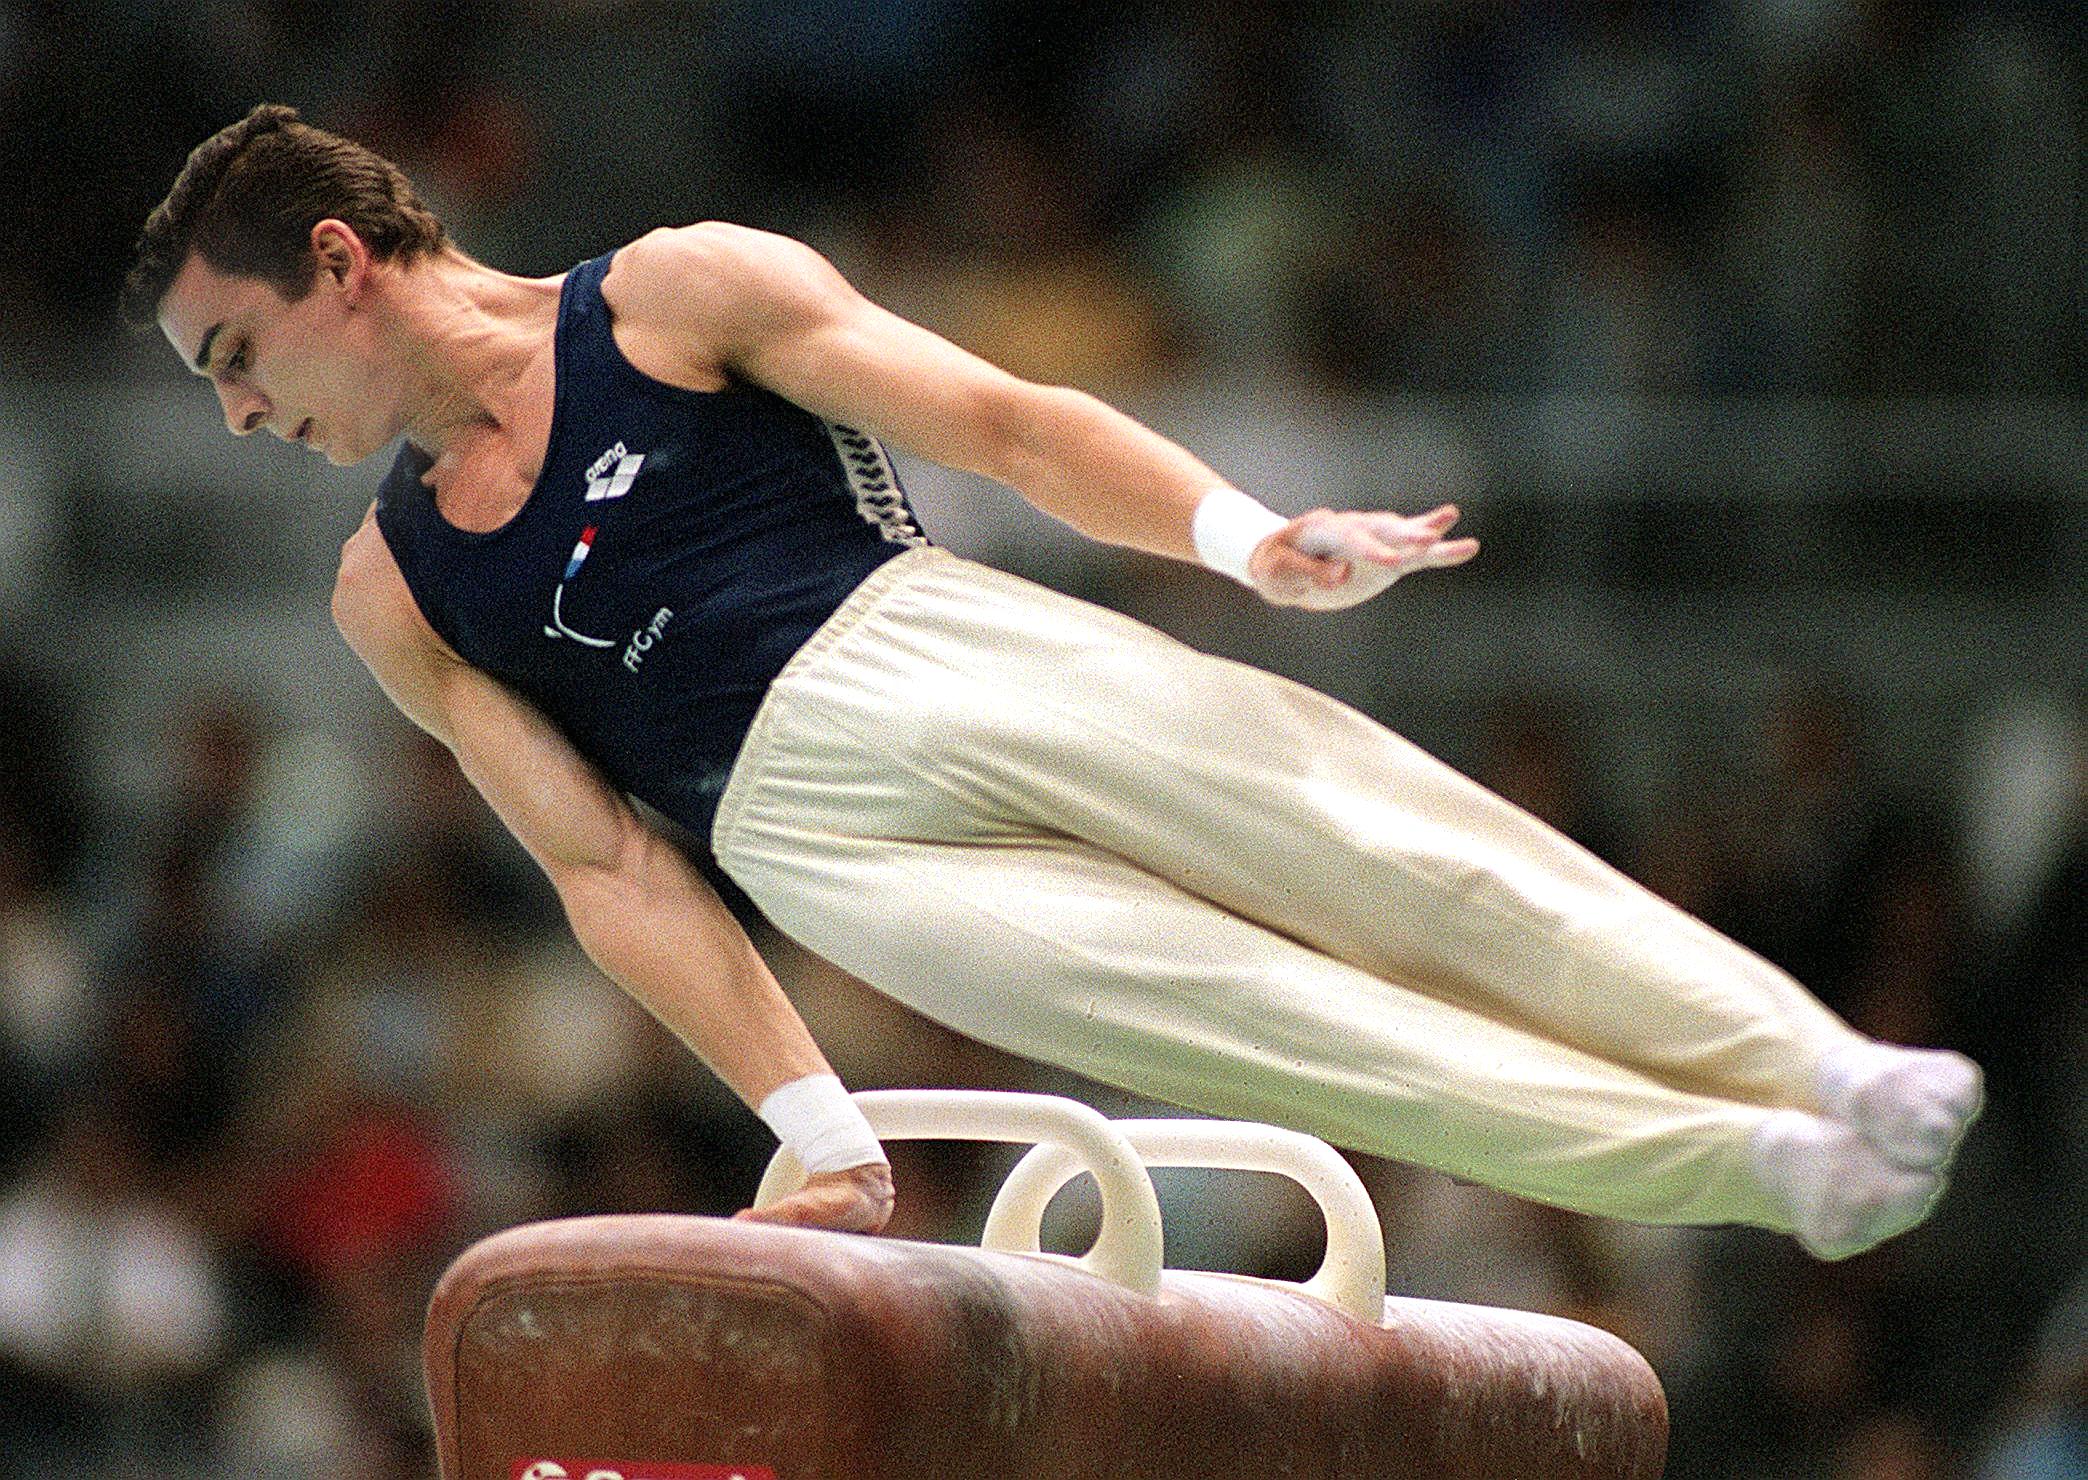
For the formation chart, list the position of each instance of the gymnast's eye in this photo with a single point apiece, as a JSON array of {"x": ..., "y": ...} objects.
[{"x": 238, "y": 362}]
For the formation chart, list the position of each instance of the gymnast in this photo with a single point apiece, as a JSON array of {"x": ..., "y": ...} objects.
[{"x": 641, "y": 539}]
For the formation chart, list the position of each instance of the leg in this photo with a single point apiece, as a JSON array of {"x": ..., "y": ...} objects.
[
  {"x": 1031, "y": 713},
  {"x": 1292, "y": 810},
  {"x": 960, "y": 723},
  {"x": 1059, "y": 951}
]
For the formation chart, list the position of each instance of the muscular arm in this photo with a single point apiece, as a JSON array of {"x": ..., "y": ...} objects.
[
  {"x": 638, "y": 907},
  {"x": 775, "y": 311}
]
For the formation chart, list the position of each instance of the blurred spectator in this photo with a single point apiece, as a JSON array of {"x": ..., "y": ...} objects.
[
  {"x": 346, "y": 1177},
  {"x": 347, "y": 1401},
  {"x": 1688, "y": 856},
  {"x": 288, "y": 1414},
  {"x": 1631, "y": 100},
  {"x": 1917, "y": 318},
  {"x": 1020, "y": 278},
  {"x": 186, "y": 1002},
  {"x": 1623, "y": 311},
  {"x": 1416, "y": 298},
  {"x": 112, "y": 1307},
  {"x": 436, "y": 111},
  {"x": 48, "y": 1012},
  {"x": 2029, "y": 1025},
  {"x": 440, "y": 835},
  {"x": 821, "y": 95},
  {"x": 1232, "y": 244},
  {"x": 1890, "y": 1446},
  {"x": 43, "y": 803},
  {"x": 1446, "y": 1240}
]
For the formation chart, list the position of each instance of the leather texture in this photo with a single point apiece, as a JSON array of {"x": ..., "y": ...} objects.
[{"x": 820, "y": 1356}]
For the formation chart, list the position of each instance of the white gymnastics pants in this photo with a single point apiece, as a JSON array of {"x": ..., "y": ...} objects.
[{"x": 1059, "y": 831}]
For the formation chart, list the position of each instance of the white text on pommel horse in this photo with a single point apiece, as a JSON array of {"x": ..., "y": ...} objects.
[{"x": 551, "y": 1469}]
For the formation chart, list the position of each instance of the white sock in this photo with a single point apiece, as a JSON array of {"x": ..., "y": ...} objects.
[
  {"x": 1913, "y": 1104},
  {"x": 1843, "y": 1196}
]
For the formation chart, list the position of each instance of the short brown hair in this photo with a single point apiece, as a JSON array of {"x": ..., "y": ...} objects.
[{"x": 251, "y": 193}]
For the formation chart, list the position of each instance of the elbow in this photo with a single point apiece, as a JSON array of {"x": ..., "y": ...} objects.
[
  {"x": 618, "y": 904},
  {"x": 605, "y": 871},
  {"x": 596, "y": 900}
]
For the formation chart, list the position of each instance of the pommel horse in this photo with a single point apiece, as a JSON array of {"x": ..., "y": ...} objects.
[{"x": 688, "y": 1348}]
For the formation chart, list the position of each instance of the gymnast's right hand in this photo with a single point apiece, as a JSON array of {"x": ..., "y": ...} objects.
[{"x": 854, "y": 1200}]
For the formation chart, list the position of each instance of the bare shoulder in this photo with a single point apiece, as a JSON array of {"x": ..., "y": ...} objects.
[
  {"x": 715, "y": 254},
  {"x": 377, "y": 615},
  {"x": 372, "y": 604},
  {"x": 713, "y": 275}
]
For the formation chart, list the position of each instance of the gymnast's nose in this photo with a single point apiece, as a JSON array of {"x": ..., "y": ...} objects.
[{"x": 246, "y": 409}]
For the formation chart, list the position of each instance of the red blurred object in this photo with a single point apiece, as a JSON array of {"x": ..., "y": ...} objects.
[{"x": 378, "y": 1184}]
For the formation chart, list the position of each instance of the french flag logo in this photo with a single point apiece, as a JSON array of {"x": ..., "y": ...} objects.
[
  {"x": 557, "y": 627},
  {"x": 580, "y": 550}
]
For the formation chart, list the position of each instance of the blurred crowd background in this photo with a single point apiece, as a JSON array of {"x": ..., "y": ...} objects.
[{"x": 1748, "y": 333}]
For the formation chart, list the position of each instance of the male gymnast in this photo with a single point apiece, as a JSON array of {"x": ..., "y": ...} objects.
[{"x": 642, "y": 540}]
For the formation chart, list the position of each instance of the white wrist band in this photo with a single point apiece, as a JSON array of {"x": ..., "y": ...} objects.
[
  {"x": 1227, "y": 527},
  {"x": 817, "y": 1120}
]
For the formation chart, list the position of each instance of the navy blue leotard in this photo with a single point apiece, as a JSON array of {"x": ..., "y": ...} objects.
[{"x": 677, "y": 548}]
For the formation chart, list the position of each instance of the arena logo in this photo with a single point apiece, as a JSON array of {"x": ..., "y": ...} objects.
[
  {"x": 613, "y": 473},
  {"x": 601, "y": 1469}
]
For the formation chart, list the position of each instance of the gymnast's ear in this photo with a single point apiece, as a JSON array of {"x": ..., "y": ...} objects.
[{"x": 340, "y": 257}]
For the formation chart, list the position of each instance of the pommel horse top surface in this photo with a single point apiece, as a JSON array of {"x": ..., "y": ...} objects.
[{"x": 687, "y": 1348}]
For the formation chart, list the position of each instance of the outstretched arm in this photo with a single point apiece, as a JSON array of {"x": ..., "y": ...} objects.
[
  {"x": 638, "y": 907},
  {"x": 775, "y": 311}
]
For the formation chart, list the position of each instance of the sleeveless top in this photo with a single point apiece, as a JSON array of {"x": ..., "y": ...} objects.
[{"x": 675, "y": 551}]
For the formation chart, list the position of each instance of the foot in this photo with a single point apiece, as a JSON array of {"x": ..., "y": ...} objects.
[
  {"x": 1913, "y": 1104},
  {"x": 1843, "y": 1196}
]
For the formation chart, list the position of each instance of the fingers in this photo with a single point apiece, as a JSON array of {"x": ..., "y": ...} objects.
[
  {"x": 859, "y": 1201},
  {"x": 846, "y": 1215},
  {"x": 1431, "y": 524},
  {"x": 1415, "y": 544},
  {"x": 1367, "y": 534},
  {"x": 1451, "y": 552}
]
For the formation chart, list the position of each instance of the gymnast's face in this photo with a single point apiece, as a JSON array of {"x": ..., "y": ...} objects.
[{"x": 311, "y": 371}]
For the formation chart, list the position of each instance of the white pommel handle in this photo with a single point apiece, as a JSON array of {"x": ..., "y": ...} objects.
[
  {"x": 1126, "y": 1252},
  {"x": 1351, "y": 1277}
]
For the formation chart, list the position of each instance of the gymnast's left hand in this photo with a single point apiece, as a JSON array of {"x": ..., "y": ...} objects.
[
  {"x": 854, "y": 1200},
  {"x": 1328, "y": 559}
]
